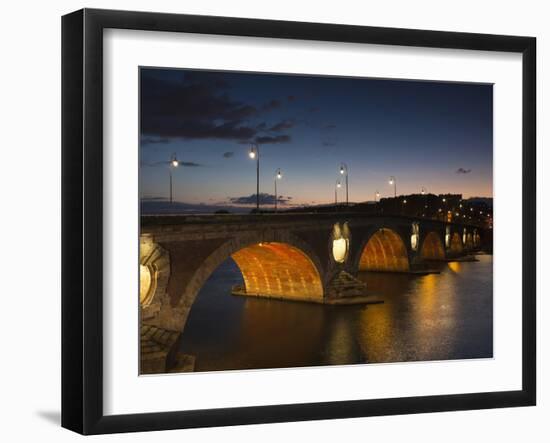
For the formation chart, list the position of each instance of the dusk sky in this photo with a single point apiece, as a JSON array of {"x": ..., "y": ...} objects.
[{"x": 427, "y": 134}]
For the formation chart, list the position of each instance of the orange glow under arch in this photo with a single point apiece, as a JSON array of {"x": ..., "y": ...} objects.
[
  {"x": 385, "y": 251},
  {"x": 278, "y": 270},
  {"x": 469, "y": 241},
  {"x": 456, "y": 244},
  {"x": 432, "y": 247}
]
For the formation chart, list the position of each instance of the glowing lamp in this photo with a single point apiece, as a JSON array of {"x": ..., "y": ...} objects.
[
  {"x": 339, "y": 249},
  {"x": 145, "y": 284},
  {"x": 414, "y": 242}
]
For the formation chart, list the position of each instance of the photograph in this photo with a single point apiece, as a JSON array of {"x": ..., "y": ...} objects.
[{"x": 291, "y": 220}]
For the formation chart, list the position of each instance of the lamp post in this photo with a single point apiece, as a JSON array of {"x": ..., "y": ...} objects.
[
  {"x": 423, "y": 192},
  {"x": 254, "y": 153},
  {"x": 278, "y": 176},
  {"x": 393, "y": 182},
  {"x": 376, "y": 196},
  {"x": 338, "y": 186},
  {"x": 174, "y": 163},
  {"x": 344, "y": 170}
]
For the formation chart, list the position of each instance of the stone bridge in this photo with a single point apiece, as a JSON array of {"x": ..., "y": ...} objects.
[{"x": 288, "y": 256}]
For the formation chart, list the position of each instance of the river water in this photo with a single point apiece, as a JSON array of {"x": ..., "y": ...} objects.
[{"x": 430, "y": 317}]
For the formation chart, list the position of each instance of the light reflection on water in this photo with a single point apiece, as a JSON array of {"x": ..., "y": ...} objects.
[{"x": 431, "y": 317}]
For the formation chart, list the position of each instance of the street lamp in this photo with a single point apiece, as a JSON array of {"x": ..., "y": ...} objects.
[
  {"x": 444, "y": 201},
  {"x": 174, "y": 163},
  {"x": 423, "y": 192},
  {"x": 338, "y": 186},
  {"x": 254, "y": 153},
  {"x": 393, "y": 182},
  {"x": 376, "y": 196},
  {"x": 278, "y": 176},
  {"x": 344, "y": 170}
]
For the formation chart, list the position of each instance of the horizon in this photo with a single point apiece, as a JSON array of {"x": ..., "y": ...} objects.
[{"x": 148, "y": 206}]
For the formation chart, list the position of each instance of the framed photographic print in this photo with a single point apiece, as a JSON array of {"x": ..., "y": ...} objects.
[{"x": 269, "y": 221}]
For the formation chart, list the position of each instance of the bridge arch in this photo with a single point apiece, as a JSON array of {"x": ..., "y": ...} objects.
[
  {"x": 276, "y": 269},
  {"x": 432, "y": 247},
  {"x": 385, "y": 250},
  {"x": 476, "y": 238},
  {"x": 273, "y": 264},
  {"x": 456, "y": 244},
  {"x": 469, "y": 241}
]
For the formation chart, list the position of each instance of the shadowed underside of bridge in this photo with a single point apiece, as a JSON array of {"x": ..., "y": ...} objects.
[
  {"x": 432, "y": 247},
  {"x": 385, "y": 251},
  {"x": 278, "y": 270}
]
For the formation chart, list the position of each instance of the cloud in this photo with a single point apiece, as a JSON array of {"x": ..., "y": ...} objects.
[
  {"x": 328, "y": 144},
  {"x": 267, "y": 139},
  {"x": 228, "y": 154},
  {"x": 261, "y": 126},
  {"x": 191, "y": 164},
  {"x": 153, "y": 199},
  {"x": 167, "y": 162},
  {"x": 283, "y": 125},
  {"x": 272, "y": 104},
  {"x": 194, "y": 105},
  {"x": 265, "y": 199},
  {"x": 146, "y": 164},
  {"x": 153, "y": 141},
  {"x": 161, "y": 205},
  {"x": 463, "y": 171}
]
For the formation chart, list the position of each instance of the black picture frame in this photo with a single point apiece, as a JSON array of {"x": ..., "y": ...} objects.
[{"x": 82, "y": 218}]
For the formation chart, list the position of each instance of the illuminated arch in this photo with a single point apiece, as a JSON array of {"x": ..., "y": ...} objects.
[
  {"x": 245, "y": 251},
  {"x": 456, "y": 244},
  {"x": 385, "y": 251},
  {"x": 477, "y": 238},
  {"x": 469, "y": 241},
  {"x": 297, "y": 273},
  {"x": 432, "y": 247},
  {"x": 278, "y": 270}
]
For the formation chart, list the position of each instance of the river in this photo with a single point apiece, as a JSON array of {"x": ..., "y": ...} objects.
[{"x": 431, "y": 317}]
